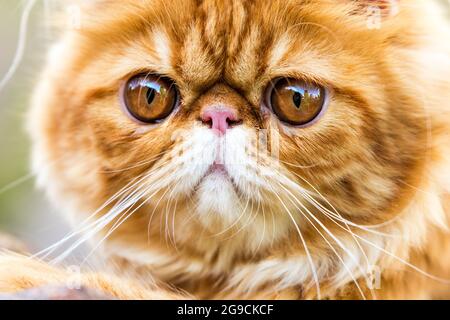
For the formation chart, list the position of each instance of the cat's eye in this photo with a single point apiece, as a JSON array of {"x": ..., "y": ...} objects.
[
  {"x": 296, "y": 102},
  {"x": 149, "y": 98}
]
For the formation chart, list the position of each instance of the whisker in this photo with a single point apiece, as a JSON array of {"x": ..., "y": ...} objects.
[
  {"x": 298, "y": 165},
  {"x": 235, "y": 222},
  {"x": 338, "y": 217},
  {"x": 153, "y": 212},
  {"x": 137, "y": 164},
  {"x": 128, "y": 204},
  {"x": 347, "y": 228},
  {"x": 410, "y": 265},
  {"x": 250, "y": 218},
  {"x": 162, "y": 215},
  {"x": 326, "y": 240},
  {"x": 77, "y": 231},
  {"x": 124, "y": 218},
  {"x": 446, "y": 281},
  {"x": 167, "y": 214},
  {"x": 16, "y": 182},
  {"x": 173, "y": 225},
  {"x": 264, "y": 226},
  {"x": 29, "y": 175},
  {"x": 100, "y": 221},
  {"x": 335, "y": 214},
  {"x": 334, "y": 251},
  {"x": 308, "y": 254}
]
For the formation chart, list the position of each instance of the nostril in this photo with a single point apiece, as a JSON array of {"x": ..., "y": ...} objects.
[
  {"x": 233, "y": 122},
  {"x": 207, "y": 120}
]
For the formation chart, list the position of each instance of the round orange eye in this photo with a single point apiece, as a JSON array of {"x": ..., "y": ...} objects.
[
  {"x": 296, "y": 102},
  {"x": 149, "y": 98}
]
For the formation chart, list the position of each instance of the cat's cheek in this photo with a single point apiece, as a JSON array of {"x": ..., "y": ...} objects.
[
  {"x": 292, "y": 131},
  {"x": 144, "y": 129},
  {"x": 271, "y": 121}
]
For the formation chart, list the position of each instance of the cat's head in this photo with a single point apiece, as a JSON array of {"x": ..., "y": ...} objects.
[{"x": 254, "y": 126}]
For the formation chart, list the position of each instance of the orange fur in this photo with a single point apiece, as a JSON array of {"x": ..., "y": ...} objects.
[{"x": 379, "y": 158}]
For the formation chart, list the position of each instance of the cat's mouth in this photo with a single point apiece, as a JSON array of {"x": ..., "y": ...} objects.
[
  {"x": 219, "y": 174},
  {"x": 217, "y": 168}
]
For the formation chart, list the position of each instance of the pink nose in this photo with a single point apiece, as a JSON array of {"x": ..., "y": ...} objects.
[{"x": 219, "y": 119}]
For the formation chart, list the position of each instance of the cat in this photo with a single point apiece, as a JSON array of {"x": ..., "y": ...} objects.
[{"x": 262, "y": 149}]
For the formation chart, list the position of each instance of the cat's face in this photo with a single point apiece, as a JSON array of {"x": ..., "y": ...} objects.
[{"x": 233, "y": 117}]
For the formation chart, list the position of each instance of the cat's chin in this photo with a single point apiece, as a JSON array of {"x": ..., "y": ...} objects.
[{"x": 217, "y": 194}]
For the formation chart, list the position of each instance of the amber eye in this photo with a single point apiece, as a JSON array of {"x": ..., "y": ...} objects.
[
  {"x": 149, "y": 98},
  {"x": 296, "y": 102}
]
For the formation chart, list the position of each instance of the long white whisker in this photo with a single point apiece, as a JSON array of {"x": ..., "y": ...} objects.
[
  {"x": 347, "y": 228},
  {"x": 125, "y": 216},
  {"x": 326, "y": 240},
  {"x": 382, "y": 249},
  {"x": 236, "y": 220},
  {"x": 153, "y": 213},
  {"x": 129, "y": 202},
  {"x": 167, "y": 215},
  {"x": 334, "y": 215},
  {"x": 308, "y": 254},
  {"x": 83, "y": 226},
  {"x": 173, "y": 224},
  {"x": 445, "y": 281},
  {"x": 100, "y": 221},
  {"x": 264, "y": 226},
  {"x": 250, "y": 218},
  {"x": 137, "y": 165}
]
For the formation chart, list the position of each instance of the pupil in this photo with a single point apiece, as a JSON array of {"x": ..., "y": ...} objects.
[
  {"x": 151, "y": 93},
  {"x": 297, "y": 99}
]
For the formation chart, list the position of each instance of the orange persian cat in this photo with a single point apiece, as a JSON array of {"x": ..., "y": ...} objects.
[{"x": 289, "y": 149}]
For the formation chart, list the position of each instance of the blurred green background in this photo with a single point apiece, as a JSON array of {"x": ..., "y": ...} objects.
[{"x": 24, "y": 211}]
